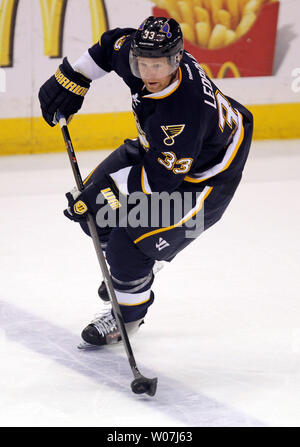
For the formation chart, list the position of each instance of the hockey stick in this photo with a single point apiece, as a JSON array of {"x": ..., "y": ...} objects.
[{"x": 140, "y": 384}]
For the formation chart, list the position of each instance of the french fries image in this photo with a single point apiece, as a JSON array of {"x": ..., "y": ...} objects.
[
  {"x": 224, "y": 18},
  {"x": 187, "y": 13},
  {"x": 202, "y": 15},
  {"x": 206, "y": 4},
  {"x": 172, "y": 7},
  {"x": 242, "y": 4},
  {"x": 188, "y": 32},
  {"x": 245, "y": 24},
  {"x": 230, "y": 37},
  {"x": 203, "y": 32},
  {"x": 217, "y": 37},
  {"x": 215, "y": 6},
  {"x": 213, "y": 24},
  {"x": 233, "y": 9},
  {"x": 198, "y": 3}
]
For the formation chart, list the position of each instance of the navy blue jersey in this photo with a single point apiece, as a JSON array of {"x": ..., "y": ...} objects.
[{"x": 190, "y": 131}]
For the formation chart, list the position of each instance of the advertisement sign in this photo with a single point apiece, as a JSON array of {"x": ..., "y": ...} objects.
[
  {"x": 249, "y": 47},
  {"x": 232, "y": 38}
]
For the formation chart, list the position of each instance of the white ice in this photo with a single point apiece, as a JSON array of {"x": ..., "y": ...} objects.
[{"x": 223, "y": 336}]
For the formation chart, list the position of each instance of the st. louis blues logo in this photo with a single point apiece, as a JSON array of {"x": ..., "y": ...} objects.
[
  {"x": 171, "y": 132},
  {"x": 142, "y": 25},
  {"x": 166, "y": 29}
]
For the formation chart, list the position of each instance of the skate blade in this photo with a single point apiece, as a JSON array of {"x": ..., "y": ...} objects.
[{"x": 88, "y": 346}]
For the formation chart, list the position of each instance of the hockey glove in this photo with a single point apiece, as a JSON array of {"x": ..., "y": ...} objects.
[
  {"x": 64, "y": 91},
  {"x": 78, "y": 205}
]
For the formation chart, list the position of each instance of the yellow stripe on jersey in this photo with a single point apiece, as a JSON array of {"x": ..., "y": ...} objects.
[
  {"x": 162, "y": 94},
  {"x": 89, "y": 176},
  {"x": 230, "y": 153},
  {"x": 240, "y": 140}
]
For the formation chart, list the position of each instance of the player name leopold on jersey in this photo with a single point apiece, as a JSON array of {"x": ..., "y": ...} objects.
[{"x": 207, "y": 86}]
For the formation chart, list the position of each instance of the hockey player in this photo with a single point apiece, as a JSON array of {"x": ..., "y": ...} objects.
[{"x": 191, "y": 139}]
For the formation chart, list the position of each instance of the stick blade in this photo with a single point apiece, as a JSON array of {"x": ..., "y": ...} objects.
[{"x": 142, "y": 385}]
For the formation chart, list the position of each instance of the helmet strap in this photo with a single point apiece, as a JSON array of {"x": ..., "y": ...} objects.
[{"x": 174, "y": 75}]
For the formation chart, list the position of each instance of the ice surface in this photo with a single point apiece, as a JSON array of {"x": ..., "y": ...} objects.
[{"x": 223, "y": 336}]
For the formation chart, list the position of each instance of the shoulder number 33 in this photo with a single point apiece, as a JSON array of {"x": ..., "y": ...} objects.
[{"x": 170, "y": 162}]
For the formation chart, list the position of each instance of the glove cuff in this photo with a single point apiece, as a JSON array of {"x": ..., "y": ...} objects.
[{"x": 71, "y": 80}]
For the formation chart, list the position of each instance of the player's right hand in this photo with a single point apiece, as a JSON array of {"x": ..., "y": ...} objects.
[
  {"x": 64, "y": 91},
  {"x": 78, "y": 205}
]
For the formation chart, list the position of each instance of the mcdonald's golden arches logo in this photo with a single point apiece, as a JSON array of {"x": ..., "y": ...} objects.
[
  {"x": 8, "y": 9},
  {"x": 53, "y": 14},
  {"x": 223, "y": 70}
]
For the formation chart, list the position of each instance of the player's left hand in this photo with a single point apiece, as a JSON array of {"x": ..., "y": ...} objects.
[{"x": 78, "y": 205}]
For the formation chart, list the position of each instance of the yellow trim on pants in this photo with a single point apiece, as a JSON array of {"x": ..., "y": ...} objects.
[
  {"x": 181, "y": 222},
  {"x": 143, "y": 181}
]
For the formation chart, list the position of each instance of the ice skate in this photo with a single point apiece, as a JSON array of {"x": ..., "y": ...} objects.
[{"x": 103, "y": 331}]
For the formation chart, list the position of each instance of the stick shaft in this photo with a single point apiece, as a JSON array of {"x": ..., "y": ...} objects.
[{"x": 94, "y": 235}]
